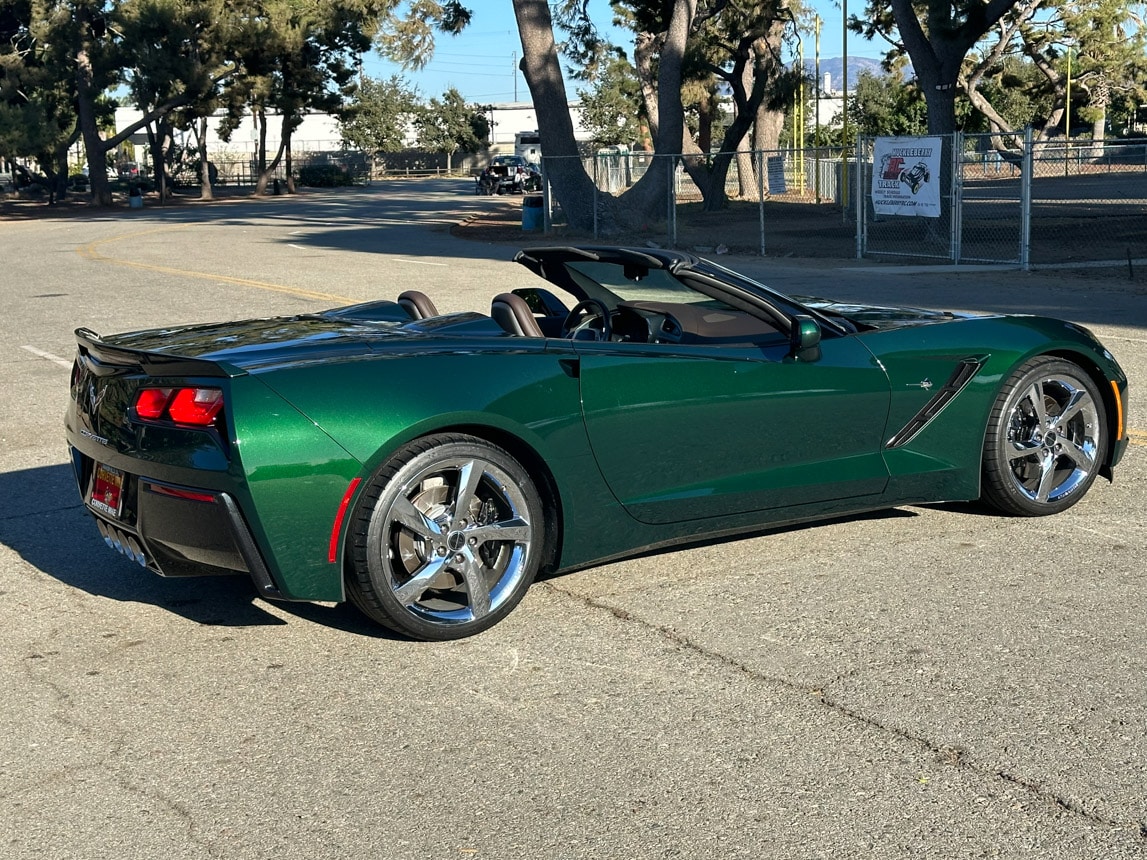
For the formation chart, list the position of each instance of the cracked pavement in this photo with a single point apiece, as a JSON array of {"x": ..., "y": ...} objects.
[{"x": 927, "y": 681}]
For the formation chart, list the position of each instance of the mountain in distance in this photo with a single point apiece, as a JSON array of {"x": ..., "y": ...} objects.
[{"x": 834, "y": 68}]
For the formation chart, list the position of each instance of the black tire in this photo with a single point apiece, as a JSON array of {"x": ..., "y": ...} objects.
[
  {"x": 1046, "y": 439},
  {"x": 430, "y": 569}
]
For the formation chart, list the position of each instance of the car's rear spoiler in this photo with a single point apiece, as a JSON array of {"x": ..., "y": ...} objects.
[{"x": 103, "y": 359}]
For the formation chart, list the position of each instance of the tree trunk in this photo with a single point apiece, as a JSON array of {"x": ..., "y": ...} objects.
[
  {"x": 288, "y": 164},
  {"x": 260, "y": 117},
  {"x": 748, "y": 186},
  {"x": 205, "y": 190},
  {"x": 644, "y": 50},
  {"x": 94, "y": 146},
  {"x": 941, "y": 109},
  {"x": 265, "y": 174},
  {"x": 62, "y": 173},
  {"x": 159, "y": 142},
  {"x": 572, "y": 186}
]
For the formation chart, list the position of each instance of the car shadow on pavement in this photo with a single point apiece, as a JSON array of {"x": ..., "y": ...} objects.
[
  {"x": 48, "y": 527},
  {"x": 792, "y": 528},
  {"x": 53, "y": 533}
]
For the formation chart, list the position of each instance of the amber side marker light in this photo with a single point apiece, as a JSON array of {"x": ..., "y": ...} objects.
[{"x": 1118, "y": 411}]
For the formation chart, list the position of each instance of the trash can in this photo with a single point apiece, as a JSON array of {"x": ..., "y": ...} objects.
[
  {"x": 135, "y": 198},
  {"x": 532, "y": 212}
]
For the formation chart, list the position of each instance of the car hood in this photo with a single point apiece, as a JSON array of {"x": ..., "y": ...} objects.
[{"x": 880, "y": 317}]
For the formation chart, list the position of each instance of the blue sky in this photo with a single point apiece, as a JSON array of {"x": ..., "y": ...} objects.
[{"x": 481, "y": 62}]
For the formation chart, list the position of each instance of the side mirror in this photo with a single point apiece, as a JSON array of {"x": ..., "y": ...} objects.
[{"x": 804, "y": 339}]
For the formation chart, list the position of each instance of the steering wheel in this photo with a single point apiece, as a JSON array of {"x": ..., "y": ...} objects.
[{"x": 588, "y": 315}]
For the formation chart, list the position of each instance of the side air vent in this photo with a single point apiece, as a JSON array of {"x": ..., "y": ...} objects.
[{"x": 960, "y": 377}]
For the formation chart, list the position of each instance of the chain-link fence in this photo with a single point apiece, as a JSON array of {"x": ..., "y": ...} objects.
[
  {"x": 1011, "y": 201},
  {"x": 980, "y": 197},
  {"x": 1018, "y": 201},
  {"x": 1088, "y": 202},
  {"x": 752, "y": 202}
]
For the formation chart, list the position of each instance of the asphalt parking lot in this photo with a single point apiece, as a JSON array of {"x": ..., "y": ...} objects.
[{"x": 929, "y": 681}]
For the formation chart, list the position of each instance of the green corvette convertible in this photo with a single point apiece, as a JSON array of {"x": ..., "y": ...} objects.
[{"x": 427, "y": 466}]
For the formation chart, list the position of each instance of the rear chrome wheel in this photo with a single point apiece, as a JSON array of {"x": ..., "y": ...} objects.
[
  {"x": 447, "y": 539},
  {"x": 1046, "y": 439}
]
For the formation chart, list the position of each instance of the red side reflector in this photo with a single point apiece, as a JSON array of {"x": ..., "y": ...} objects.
[
  {"x": 174, "y": 492},
  {"x": 333, "y": 552}
]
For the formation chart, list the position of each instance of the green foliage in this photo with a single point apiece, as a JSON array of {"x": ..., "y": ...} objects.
[
  {"x": 449, "y": 125},
  {"x": 612, "y": 109},
  {"x": 379, "y": 114},
  {"x": 884, "y": 105},
  {"x": 1018, "y": 92},
  {"x": 408, "y": 39}
]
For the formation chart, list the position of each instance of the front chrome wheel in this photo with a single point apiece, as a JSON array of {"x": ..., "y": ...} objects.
[
  {"x": 448, "y": 538},
  {"x": 1046, "y": 439}
]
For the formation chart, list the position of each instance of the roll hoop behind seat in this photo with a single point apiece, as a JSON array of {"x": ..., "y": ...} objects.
[
  {"x": 514, "y": 315},
  {"x": 417, "y": 305}
]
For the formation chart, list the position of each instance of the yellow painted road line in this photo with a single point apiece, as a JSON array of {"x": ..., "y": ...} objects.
[
  {"x": 91, "y": 251},
  {"x": 1137, "y": 437}
]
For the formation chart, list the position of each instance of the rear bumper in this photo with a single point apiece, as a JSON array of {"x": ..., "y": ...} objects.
[{"x": 179, "y": 531}]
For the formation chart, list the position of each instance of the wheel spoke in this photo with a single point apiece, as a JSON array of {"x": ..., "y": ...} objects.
[
  {"x": 1046, "y": 476},
  {"x": 515, "y": 529},
  {"x": 1035, "y": 395},
  {"x": 1079, "y": 455},
  {"x": 410, "y": 591},
  {"x": 1078, "y": 401},
  {"x": 474, "y": 576},
  {"x": 469, "y": 476},
  {"x": 405, "y": 513},
  {"x": 1022, "y": 450}
]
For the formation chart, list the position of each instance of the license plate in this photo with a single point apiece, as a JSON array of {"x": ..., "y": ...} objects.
[{"x": 107, "y": 490}]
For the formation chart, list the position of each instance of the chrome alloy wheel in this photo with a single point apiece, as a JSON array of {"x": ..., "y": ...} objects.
[
  {"x": 453, "y": 533},
  {"x": 1053, "y": 433},
  {"x": 1046, "y": 439},
  {"x": 458, "y": 538}
]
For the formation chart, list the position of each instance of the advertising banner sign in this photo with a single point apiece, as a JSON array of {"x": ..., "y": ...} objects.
[{"x": 906, "y": 176}]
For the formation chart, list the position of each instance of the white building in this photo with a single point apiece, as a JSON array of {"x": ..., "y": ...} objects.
[{"x": 319, "y": 132}]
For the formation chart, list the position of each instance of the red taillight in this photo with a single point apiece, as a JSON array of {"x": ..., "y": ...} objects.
[
  {"x": 194, "y": 406},
  {"x": 197, "y": 406},
  {"x": 150, "y": 403}
]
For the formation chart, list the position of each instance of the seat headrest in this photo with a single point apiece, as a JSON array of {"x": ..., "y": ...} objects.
[
  {"x": 417, "y": 304},
  {"x": 514, "y": 316}
]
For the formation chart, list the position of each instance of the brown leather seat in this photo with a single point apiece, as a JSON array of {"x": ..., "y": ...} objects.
[
  {"x": 514, "y": 315},
  {"x": 417, "y": 305}
]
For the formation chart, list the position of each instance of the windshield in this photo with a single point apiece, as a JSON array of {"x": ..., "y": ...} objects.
[{"x": 654, "y": 285}]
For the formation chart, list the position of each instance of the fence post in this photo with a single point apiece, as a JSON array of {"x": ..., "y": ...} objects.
[
  {"x": 1027, "y": 167},
  {"x": 595, "y": 195},
  {"x": 957, "y": 195},
  {"x": 760, "y": 156},
  {"x": 672, "y": 163},
  {"x": 858, "y": 197},
  {"x": 547, "y": 200}
]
